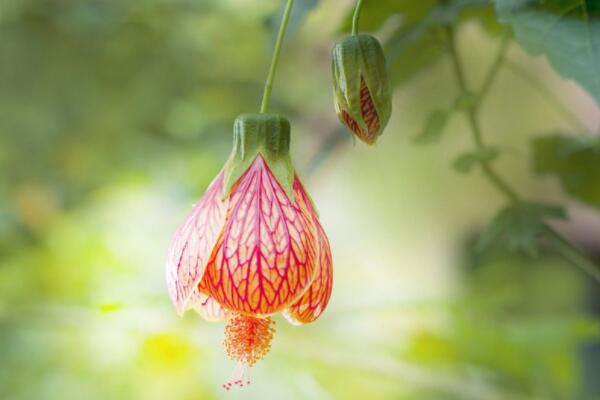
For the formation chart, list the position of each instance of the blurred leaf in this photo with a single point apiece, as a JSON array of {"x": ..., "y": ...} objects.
[
  {"x": 575, "y": 160},
  {"x": 436, "y": 121},
  {"x": 492, "y": 339},
  {"x": 419, "y": 43},
  {"x": 465, "y": 162},
  {"x": 412, "y": 49},
  {"x": 299, "y": 11},
  {"x": 434, "y": 127},
  {"x": 518, "y": 227},
  {"x": 375, "y": 13},
  {"x": 566, "y": 31},
  {"x": 486, "y": 16},
  {"x": 464, "y": 102}
]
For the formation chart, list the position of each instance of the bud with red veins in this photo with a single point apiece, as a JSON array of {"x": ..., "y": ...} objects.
[
  {"x": 253, "y": 246},
  {"x": 361, "y": 86}
]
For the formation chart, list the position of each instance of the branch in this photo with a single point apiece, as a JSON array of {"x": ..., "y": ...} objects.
[
  {"x": 563, "y": 246},
  {"x": 471, "y": 112}
]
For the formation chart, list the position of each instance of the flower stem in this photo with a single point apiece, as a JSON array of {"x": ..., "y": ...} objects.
[
  {"x": 573, "y": 254},
  {"x": 264, "y": 107},
  {"x": 356, "y": 17},
  {"x": 562, "y": 245}
]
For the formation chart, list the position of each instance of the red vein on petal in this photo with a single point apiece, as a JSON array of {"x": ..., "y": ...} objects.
[
  {"x": 369, "y": 113},
  {"x": 280, "y": 264},
  {"x": 352, "y": 124}
]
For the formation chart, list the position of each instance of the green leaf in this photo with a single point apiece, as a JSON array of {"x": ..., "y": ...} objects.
[
  {"x": 574, "y": 160},
  {"x": 518, "y": 227},
  {"x": 412, "y": 49},
  {"x": 566, "y": 31},
  {"x": 434, "y": 127},
  {"x": 465, "y": 162},
  {"x": 417, "y": 44}
]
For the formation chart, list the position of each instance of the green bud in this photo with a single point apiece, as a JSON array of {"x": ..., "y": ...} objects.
[
  {"x": 361, "y": 86},
  {"x": 267, "y": 135}
]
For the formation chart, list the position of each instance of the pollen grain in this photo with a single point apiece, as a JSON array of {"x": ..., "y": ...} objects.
[{"x": 248, "y": 339}]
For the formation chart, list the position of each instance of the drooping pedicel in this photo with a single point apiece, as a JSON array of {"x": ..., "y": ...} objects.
[
  {"x": 361, "y": 86},
  {"x": 252, "y": 246}
]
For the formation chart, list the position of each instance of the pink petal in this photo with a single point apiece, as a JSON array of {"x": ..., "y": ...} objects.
[
  {"x": 192, "y": 246},
  {"x": 207, "y": 307}
]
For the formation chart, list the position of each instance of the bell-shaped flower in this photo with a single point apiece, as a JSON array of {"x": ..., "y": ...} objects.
[{"x": 252, "y": 246}]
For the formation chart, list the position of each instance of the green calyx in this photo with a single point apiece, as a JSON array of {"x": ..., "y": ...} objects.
[
  {"x": 358, "y": 58},
  {"x": 267, "y": 135}
]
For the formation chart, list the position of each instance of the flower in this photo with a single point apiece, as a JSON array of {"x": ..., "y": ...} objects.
[
  {"x": 361, "y": 86},
  {"x": 252, "y": 246}
]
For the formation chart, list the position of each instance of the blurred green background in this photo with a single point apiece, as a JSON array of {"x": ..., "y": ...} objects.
[{"x": 116, "y": 114}]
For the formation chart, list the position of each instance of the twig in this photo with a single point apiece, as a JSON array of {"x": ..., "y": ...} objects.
[
  {"x": 573, "y": 254},
  {"x": 472, "y": 114},
  {"x": 564, "y": 247}
]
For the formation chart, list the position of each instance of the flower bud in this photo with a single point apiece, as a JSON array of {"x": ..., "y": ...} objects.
[{"x": 361, "y": 86}]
